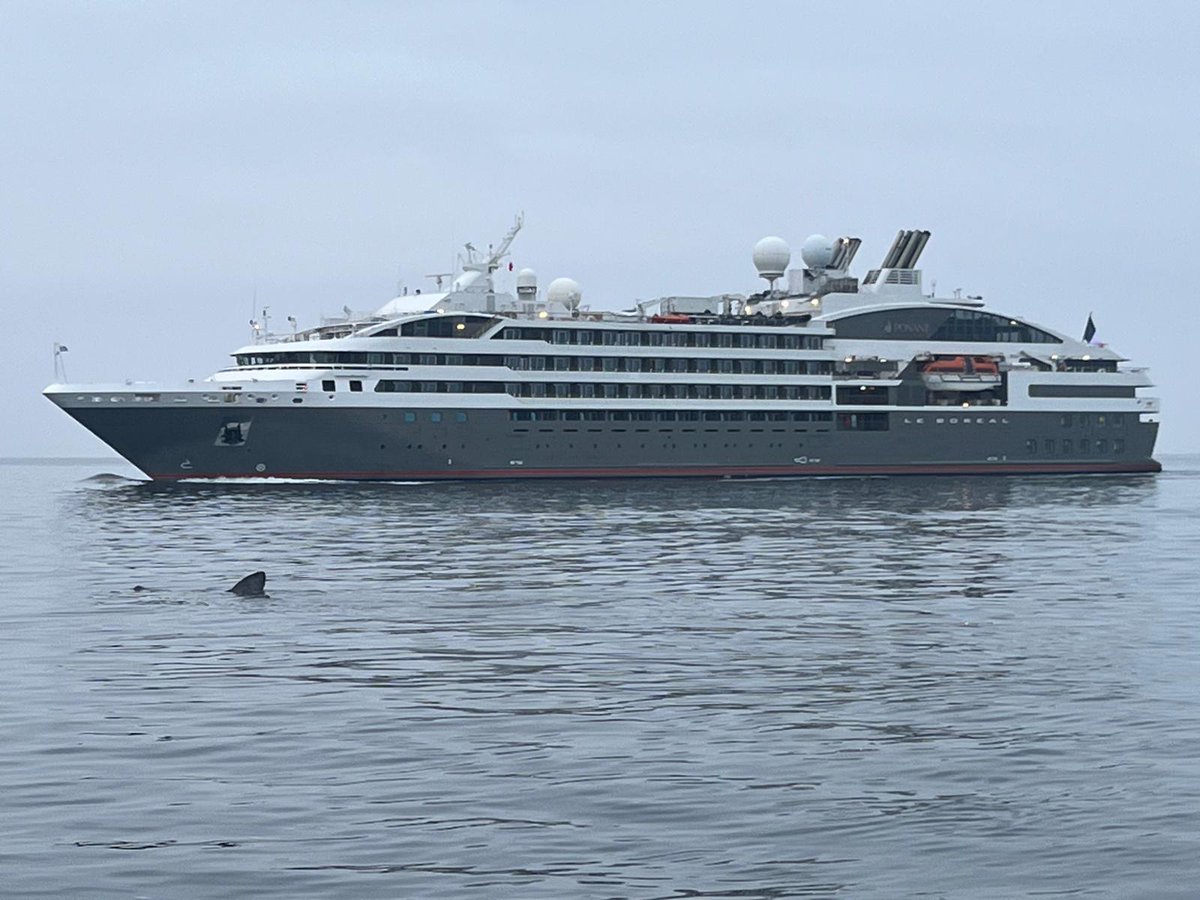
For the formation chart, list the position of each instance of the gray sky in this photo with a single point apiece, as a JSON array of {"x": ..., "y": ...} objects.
[{"x": 162, "y": 162}]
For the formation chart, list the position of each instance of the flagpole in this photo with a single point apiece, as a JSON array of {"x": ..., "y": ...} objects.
[{"x": 60, "y": 366}]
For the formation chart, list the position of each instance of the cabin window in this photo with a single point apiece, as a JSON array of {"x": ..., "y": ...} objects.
[
  {"x": 1119, "y": 445},
  {"x": 435, "y": 417},
  {"x": 1031, "y": 447},
  {"x": 863, "y": 421},
  {"x": 1068, "y": 447},
  {"x": 328, "y": 385},
  {"x": 410, "y": 417},
  {"x": 355, "y": 386}
]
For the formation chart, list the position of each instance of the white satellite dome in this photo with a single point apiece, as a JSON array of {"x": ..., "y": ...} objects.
[
  {"x": 771, "y": 257},
  {"x": 527, "y": 281},
  {"x": 565, "y": 291},
  {"x": 817, "y": 251}
]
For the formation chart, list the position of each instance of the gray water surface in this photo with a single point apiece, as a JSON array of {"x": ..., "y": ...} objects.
[{"x": 936, "y": 687}]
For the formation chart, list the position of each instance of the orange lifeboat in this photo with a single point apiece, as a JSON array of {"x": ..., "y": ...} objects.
[
  {"x": 949, "y": 365},
  {"x": 959, "y": 374},
  {"x": 671, "y": 319}
]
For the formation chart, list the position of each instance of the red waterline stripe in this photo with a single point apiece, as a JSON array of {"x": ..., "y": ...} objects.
[{"x": 701, "y": 471}]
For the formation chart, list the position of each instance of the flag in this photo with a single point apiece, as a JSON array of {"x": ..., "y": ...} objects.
[
  {"x": 1089, "y": 330},
  {"x": 62, "y": 348}
]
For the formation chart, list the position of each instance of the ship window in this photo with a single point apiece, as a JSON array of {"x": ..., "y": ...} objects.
[
  {"x": 1031, "y": 447},
  {"x": 1068, "y": 447},
  {"x": 1119, "y": 445},
  {"x": 356, "y": 386},
  {"x": 863, "y": 421},
  {"x": 328, "y": 385},
  {"x": 1080, "y": 390},
  {"x": 1048, "y": 446},
  {"x": 1065, "y": 420},
  {"x": 921, "y": 323},
  {"x": 435, "y": 417},
  {"x": 1102, "y": 446},
  {"x": 1084, "y": 446}
]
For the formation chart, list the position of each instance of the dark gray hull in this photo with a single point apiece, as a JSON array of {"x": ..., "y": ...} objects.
[{"x": 378, "y": 444}]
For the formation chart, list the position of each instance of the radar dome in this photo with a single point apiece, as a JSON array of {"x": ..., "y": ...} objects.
[
  {"x": 527, "y": 281},
  {"x": 771, "y": 257},
  {"x": 817, "y": 251},
  {"x": 565, "y": 291}
]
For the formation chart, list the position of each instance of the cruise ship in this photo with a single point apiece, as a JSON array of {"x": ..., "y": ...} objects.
[{"x": 820, "y": 373}]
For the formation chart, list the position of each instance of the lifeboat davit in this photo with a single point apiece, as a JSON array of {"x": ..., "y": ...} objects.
[{"x": 961, "y": 373}]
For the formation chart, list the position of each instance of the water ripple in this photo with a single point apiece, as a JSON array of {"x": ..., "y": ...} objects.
[{"x": 864, "y": 687}]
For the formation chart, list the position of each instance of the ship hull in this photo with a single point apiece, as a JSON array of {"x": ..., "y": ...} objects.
[{"x": 367, "y": 443}]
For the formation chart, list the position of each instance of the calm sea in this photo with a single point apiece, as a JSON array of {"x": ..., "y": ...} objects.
[{"x": 951, "y": 687}]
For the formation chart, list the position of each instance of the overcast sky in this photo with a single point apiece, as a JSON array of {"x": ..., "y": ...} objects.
[{"x": 164, "y": 162}]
